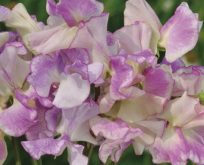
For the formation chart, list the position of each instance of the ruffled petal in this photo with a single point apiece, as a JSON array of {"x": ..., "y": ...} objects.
[
  {"x": 72, "y": 91},
  {"x": 158, "y": 82},
  {"x": 51, "y": 39},
  {"x": 140, "y": 10},
  {"x": 17, "y": 119},
  {"x": 180, "y": 34},
  {"x": 38, "y": 148},
  {"x": 74, "y": 11},
  {"x": 75, "y": 121},
  {"x": 75, "y": 155},
  {"x": 134, "y": 38}
]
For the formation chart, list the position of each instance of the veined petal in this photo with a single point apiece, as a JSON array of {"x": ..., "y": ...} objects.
[
  {"x": 74, "y": 11},
  {"x": 40, "y": 147},
  {"x": 171, "y": 148},
  {"x": 72, "y": 91},
  {"x": 180, "y": 34},
  {"x": 75, "y": 121},
  {"x": 158, "y": 82},
  {"x": 43, "y": 73},
  {"x": 93, "y": 36}
]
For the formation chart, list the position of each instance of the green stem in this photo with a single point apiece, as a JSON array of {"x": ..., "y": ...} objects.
[
  {"x": 90, "y": 151},
  {"x": 109, "y": 162},
  {"x": 16, "y": 151},
  {"x": 37, "y": 162}
]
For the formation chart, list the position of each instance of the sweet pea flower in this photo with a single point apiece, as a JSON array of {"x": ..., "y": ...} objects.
[
  {"x": 66, "y": 77},
  {"x": 182, "y": 139},
  {"x": 118, "y": 136},
  {"x": 182, "y": 28}
]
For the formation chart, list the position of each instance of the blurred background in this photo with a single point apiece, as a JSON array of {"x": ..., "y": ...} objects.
[{"x": 164, "y": 9}]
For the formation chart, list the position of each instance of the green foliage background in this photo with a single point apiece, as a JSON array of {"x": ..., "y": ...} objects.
[{"x": 164, "y": 9}]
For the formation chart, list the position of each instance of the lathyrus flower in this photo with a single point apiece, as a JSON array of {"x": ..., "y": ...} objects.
[
  {"x": 182, "y": 138},
  {"x": 65, "y": 78},
  {"x": 182, "y": 28}
]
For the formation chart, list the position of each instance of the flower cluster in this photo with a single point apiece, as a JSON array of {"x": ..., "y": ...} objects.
[{"x": 71, "y": 80}]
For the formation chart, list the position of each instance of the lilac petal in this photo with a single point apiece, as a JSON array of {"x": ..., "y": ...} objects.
[
  {"x": 93, "y": 36},
  {"x": 46, "y": 123},
  {"x": 140, "y": 10},
  {"x": 158, "y": 82},
  {"x": 172, "y": 148},
  {"x": 38, "y": 148},
  {"x": 17, "y": 119},
  {"x": 51, "y": 39},
  {"x": 75, "y": 121},
  {"x": 112, "y": 149},
  {"x": 182, "y": 29},
  {"x": 188, "y": 79},
  {"x": 134, "y": 38},
  {"x": 15, "y": 68},
  {"x": 75, "y": 155},
  {"x": 3, "y": 150},
  {"x": 123, "y": 79},
  {"x": 43, "y": 73},
  {"x": 118, "y": 137},
  {"x": 74, "y": 11},
  {"x": 4, "y": 13},
  {"x": 72, "y": 91},
  {"x": 113, "y": 130},
  {"x": 176, "y": 65}
]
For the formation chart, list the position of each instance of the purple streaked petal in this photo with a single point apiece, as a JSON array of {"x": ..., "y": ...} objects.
[
  {"x": 72, "y": 91},
  {"x": 14, "y": 68},
  {"x": 3, "y": 149},
  {"x": 176, "y": 65},
  {"x": 140, "y": 10},
  {"x": 180, "y": 34},
  {"x": 118, "y": 136},
  {"x": 74, "y": 11},
  {"x": 75, "y": 121},
  {"x": 75, "y": 155},
  {"x": 188, "y": 79},
  {"x": 134, "y": 38},
  {"x": 46, "y": 122},
  {"x": 158, "y": 82},
  {"x": 113, "y": 130},
  {"x": 43, "y": 73},
  {"x": 171, "y": 148},
  {"x": 92, "y": 35},
  {"x": 40, "y": 147},
  {"x": 123, "y": 79},
  {"x": 17, "y": 119}
]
